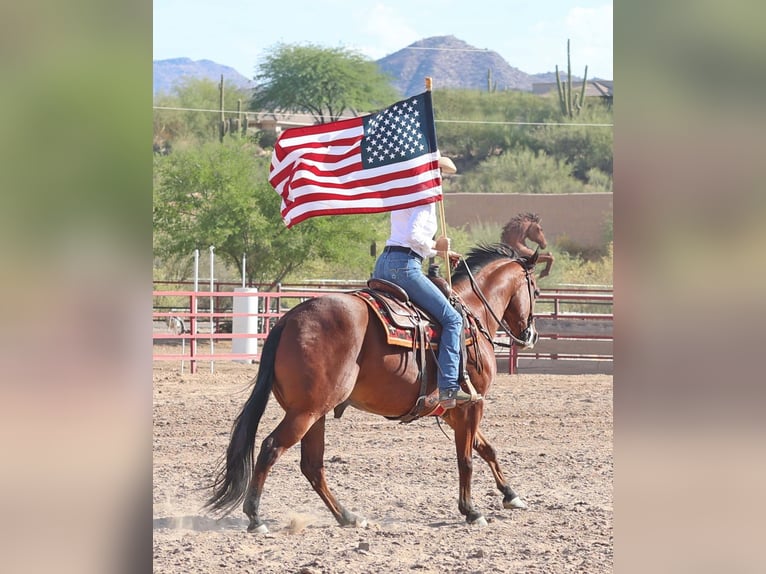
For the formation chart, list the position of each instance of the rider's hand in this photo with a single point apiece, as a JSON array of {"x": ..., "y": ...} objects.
[{"x": 442, "y": 245}]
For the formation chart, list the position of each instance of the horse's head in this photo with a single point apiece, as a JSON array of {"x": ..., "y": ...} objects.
[
  {"x": 522, "y": 227},
  {"x": 535, "y": 233},
  {"x": 519, "y": 315},
  {"x": 504, "y": 276}
]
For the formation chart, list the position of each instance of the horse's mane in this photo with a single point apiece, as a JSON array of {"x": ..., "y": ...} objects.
[
  {"x": 484, "y": 254},
  {"x": 516, "y": 222}
]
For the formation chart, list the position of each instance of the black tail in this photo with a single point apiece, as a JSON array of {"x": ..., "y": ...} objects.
[{"x": 234, "y": 474}]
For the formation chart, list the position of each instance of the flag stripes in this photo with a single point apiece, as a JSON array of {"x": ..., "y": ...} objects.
[{"x": 318, "y": 170}]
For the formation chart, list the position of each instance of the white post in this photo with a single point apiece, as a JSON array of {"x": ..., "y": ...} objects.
[
  {"x": 244, "y": 264},
  {"x": 245, "y": 324},
  {"x": 196, "y": 269},
  {"x": 193, "y": 320},
  {"x": 212, "y": 306}
]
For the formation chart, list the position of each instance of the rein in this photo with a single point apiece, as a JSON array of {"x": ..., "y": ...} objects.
[{"x": 501, "y": 322}]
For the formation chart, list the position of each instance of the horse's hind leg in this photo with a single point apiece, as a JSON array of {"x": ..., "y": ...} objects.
[
  {"x": 487, "y": 452},
  {"x": 288, "y": 432},
  {"x": 312, "y": 466}
]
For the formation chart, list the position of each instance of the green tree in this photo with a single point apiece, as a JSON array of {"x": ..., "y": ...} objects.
[
  {"x": 323, "y": 82},
  {"x": 218, "y": 194},
  {"x": 190, "y": 124}
]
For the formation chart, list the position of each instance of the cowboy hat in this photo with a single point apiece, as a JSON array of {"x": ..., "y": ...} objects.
[{"x": 446, "y": 165}]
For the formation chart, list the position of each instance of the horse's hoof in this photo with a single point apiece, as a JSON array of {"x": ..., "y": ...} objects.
[
  {"x": 260, "y": 529},
  {"x": 481, "y": 521},
  {"x": 515, "y": 503},
  {"x": 349, "y": 519},
  {"x": 360, "y": 523},
  {"x": 355, "y": 521}
]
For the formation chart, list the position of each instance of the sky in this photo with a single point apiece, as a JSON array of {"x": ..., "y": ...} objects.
[{"x": 530, "y": 36}]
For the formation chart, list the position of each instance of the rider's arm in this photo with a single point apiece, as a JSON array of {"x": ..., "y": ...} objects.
[{"x": 423, "y": 225}]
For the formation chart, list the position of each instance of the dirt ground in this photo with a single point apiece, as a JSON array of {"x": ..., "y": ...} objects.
[{"x": 552, "y": 433}]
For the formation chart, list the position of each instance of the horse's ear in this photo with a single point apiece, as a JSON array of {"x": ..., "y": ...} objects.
[{"x": 532, "y": 261}]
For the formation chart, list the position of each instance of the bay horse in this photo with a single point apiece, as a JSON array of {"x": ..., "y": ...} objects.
[
  {"x": 332, "y": 349},
  {"x": 527, "y": 226}
]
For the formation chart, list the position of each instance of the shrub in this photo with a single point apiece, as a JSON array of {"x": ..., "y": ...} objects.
[{"x": 521, "y": 171}]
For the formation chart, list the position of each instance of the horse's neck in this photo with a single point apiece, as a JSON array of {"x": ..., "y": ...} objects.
[
  {"x": 496, "y": 292},
  {"x": 516, "y": 236},
  {"x": 520, "y": 244}
]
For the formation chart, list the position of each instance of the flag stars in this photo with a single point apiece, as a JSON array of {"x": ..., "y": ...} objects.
[{"x": 394, "y": 134}]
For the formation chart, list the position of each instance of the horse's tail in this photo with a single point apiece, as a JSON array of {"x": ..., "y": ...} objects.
[{"x": 234, "y": 473}]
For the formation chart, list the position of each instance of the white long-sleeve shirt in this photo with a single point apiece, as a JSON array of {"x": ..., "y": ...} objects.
[{"x": 415, "y": 228}]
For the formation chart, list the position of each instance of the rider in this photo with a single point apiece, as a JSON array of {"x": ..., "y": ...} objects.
[{"x": 410, "y": 242}]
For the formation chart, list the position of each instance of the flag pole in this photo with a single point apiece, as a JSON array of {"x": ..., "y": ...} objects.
[{"x": 445, "y": 254}]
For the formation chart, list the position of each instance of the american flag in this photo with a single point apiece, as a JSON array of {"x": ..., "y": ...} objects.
[{"x": 379, "y": 162}]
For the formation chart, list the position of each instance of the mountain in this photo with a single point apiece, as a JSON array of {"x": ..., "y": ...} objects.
[
  {"x": 548, "y": 77},
  {"x": 167, "y": 73},
  {"x": 452, "y": 63}
]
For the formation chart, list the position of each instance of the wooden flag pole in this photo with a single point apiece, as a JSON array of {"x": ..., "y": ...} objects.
[{"x": 442, "y": 218}]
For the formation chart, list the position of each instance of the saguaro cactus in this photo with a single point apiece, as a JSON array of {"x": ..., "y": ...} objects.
[
  {"x": 491, "y": 86},
  {"x": 569, "y": 105},
  {"x": 223, "y": 126}
]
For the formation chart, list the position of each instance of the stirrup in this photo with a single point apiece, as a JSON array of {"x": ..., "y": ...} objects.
[
  {"x": 475, "y": 396},
  {"x": 454, "y": 397}
]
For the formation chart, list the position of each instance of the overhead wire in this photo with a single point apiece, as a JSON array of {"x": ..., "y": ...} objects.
[{"x": 477, "y": 122}]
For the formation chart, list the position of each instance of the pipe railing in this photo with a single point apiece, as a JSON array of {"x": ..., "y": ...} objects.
[{"x": 202, "y": 324}]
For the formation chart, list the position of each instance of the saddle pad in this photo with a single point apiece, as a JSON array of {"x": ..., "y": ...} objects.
[
  {"x": 401, "y": 336},
  {"x": 395, "y": 335}
]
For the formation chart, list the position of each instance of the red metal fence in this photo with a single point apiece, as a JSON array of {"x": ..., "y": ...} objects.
[
  {"x": 576, "y": 333},
  {"x": 574, "y": 323}
]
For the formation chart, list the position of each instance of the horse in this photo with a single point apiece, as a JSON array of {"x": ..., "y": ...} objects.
[
  {"x": 527, "y": 226},
  {"x": 332, "y": 350}
]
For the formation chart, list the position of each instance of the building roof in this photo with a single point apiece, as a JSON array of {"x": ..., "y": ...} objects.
[
  {"x": 278, "y": 121},
  {"x": 594, "y": 88}
]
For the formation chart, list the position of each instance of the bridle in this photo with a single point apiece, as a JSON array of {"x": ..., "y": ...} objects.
[{"x": 501, "y": 322}]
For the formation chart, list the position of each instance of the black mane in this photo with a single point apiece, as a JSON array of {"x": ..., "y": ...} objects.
[{"x": 482, "y": 255}]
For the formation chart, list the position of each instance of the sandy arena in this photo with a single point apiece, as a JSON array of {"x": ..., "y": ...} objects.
[{"x": 553, "y": 435}]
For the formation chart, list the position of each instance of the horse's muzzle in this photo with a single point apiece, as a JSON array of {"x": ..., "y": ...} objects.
[{"x": 530, "y": 337}]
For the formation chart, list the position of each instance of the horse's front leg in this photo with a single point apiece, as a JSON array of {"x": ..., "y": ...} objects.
[
  {"x": 465, "y": 422},
  {"x": 548, "y": 258},
  {"x": 487, "y": 452}
]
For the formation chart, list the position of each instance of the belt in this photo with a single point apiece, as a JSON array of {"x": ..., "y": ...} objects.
[{"x": 399, "y": 249}]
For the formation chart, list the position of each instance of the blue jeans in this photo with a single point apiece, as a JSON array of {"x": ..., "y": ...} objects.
[{"x": 406, "y": 271}]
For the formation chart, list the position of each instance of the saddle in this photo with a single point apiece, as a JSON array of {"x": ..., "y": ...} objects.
[{"x": 408, "y": 326}]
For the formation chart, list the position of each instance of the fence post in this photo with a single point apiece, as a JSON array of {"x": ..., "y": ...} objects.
[
  {"x": 193, "y": 332},
  {"x": 513, "y": 357},
  {"x": 246, "y": 324}
]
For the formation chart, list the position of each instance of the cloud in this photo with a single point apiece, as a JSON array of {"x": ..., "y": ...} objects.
[
  {"x": 387, "y": 31},
  {"x": 590, "y": 32}
]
